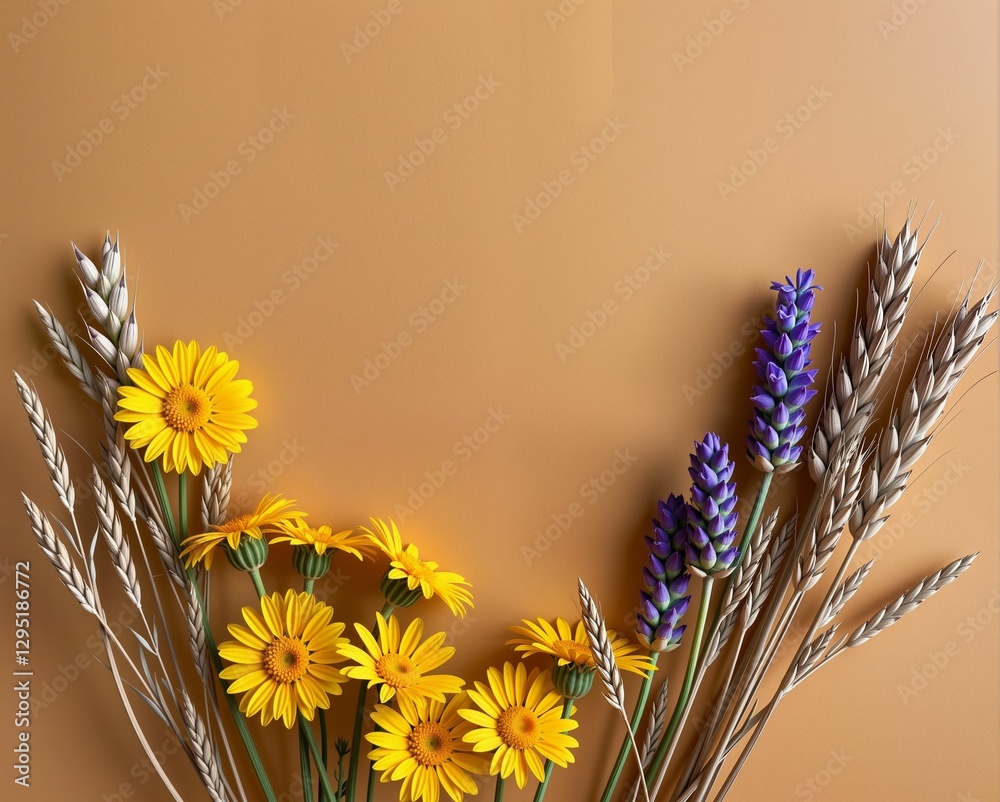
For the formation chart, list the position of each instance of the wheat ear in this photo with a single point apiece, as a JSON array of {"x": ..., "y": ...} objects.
[
  {"x": 57, "y": 553},
  {"x": 205, "y": 758},
  {"x": 45, "y": 434},
  {"x": 853, "y": 392},
  {"x": 607, "y": 668}
]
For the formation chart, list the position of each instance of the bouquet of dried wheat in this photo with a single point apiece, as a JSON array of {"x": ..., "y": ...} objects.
[{"x": 179, "y": 415}]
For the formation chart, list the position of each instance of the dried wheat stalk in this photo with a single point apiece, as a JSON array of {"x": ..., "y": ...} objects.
[
  {"x": 205, "y": 757},
  {"x": 69, "y": 352},
  {"x": 910, "y": 429},
  {"x": 45, "y": 434},
  {"x": 57, "y": 553},
  {"x": 853, "y": 393},
  {"x": 196, "y": 635},
  {"x": 111, "y": 530},
  {"x": 607, "y": 668},
  {"x": 215, "y": 492}
]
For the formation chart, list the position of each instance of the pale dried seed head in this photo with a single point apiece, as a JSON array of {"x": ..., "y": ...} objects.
[{"x": 91, "y": 275}]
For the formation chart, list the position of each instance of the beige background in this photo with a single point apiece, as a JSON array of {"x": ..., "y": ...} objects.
[{"x": 904, "y": 110}]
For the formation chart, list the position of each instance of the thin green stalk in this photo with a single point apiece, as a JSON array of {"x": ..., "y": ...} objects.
[
  {"x": 307, "y": 784},
  {"x": 324, "y": 748},
  {"x": 182, "y": 506},
  {"x": 231, "y": 701},
  {"x": 371, "y": 775},
  {"x": 258, "y": 583},
  {"x": 498, "y": 794},
  {"x": 680, "y": 710},
  {"x": 307, "y": 586},
  {"x": 359, "y": 725},
  {"x": 161, "y": 492},
  {"x": 317, "y": 757},
  {"x": 640, "y": 706},
  {"x": 549, "y": 765}
]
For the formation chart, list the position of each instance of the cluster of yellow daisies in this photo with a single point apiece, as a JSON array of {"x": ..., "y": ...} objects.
[{"x": 187, "y": 410}]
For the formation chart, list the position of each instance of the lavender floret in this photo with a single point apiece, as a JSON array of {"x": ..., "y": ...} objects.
[{"x": 663, "y": 598}]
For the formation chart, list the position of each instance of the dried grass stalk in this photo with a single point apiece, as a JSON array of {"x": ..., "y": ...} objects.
[
  {"x": 111, "y": 530},
  {"x": 57, "y": 553},
  {"x": 910, "y": 429},
  {"x": 215, "y": 492},
  {"x": 206, "y": 759},
  {"x": 657, "y": 724},
  {"x": 45, "y": 434},
  {"x": 196, "y": 635},
  {"x": 67, "y": 349},
  {"x": 853, "y": 393}
]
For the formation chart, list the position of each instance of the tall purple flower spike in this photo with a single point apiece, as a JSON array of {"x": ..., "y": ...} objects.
[
  {"x": 663, "y": 598},
  {"x": 786, "y": 386},
  {"x": 711, "y": 514}
]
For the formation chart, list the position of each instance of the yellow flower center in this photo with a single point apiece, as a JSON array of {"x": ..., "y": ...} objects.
[
  {"x": 574, "y": 651},
  {"x": 396, "y": 670},
  {"x": 518, "y": 727},
  {"x": 186, "y": 408},
  {"x": 414, "y": 566},
  {"x": 430, "y": 743},
  {"x": 286, "y": 659},
  {"x": 237, "y": 524}
]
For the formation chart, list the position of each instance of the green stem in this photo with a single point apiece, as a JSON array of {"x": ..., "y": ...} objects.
[
  {"x": 305, "y": 730},
  {"x": 359, "y": 725},
  {"x": 549, "y": 765},
  {"x": 182, "y": 506},
  {"x": 640, "y": 705},
  {"x": 371, "y": 776},
  {"x": 258, "y": 583},
  {"x": 324, "y": 748},
  {"x": 307, "y": 785},
  {"x": 231, "y": 701},
  {"x": 307, "y": 586},
  {"x": 498, "y": 794},
  {"x": 161, "y": 492},
  {"x": 680, "y": 710}
]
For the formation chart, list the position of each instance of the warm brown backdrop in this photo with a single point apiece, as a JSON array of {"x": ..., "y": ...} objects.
[{"x": 904, "y": 107}]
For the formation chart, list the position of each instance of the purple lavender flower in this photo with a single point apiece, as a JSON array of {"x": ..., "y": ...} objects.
[
  {"x": 786, "y": 385},
  {"x": 663, "y": 599},
  {"x": 710, "y": 531}
]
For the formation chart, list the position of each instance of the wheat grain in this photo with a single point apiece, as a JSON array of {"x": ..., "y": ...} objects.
[
  {"x": 657, "y": 723},
  {"x": 70, "y": 353},
  {"x": 111, "y": 530},
  {"x": 852, "y": 397},
  {"x": 206, "y": 760},
  {"x": 57, "y": 553},
  {"x": 844, "y": 593},
  {"x": 910, "y": 429},
  {"x": 45, "y": 434},
  {"x": 215, "y": 491}
]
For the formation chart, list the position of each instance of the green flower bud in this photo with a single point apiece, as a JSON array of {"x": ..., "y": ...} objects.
[{"x": 249, "y": 555}]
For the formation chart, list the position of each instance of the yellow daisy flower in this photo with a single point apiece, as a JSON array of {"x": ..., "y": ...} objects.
[
  {"x": 571, "y": 645},
  {"x": 399, "y": 664},
  {"x": 299, "y": 533},
  {"x": 405, "y": 564},
  {"x": 424, "y": 749},
  {"x": 271, "y": 512},
  {"x": 186, "y": 407},
  {"x": 520, "y": 720},
  {"x": 283, "y": 659}
]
